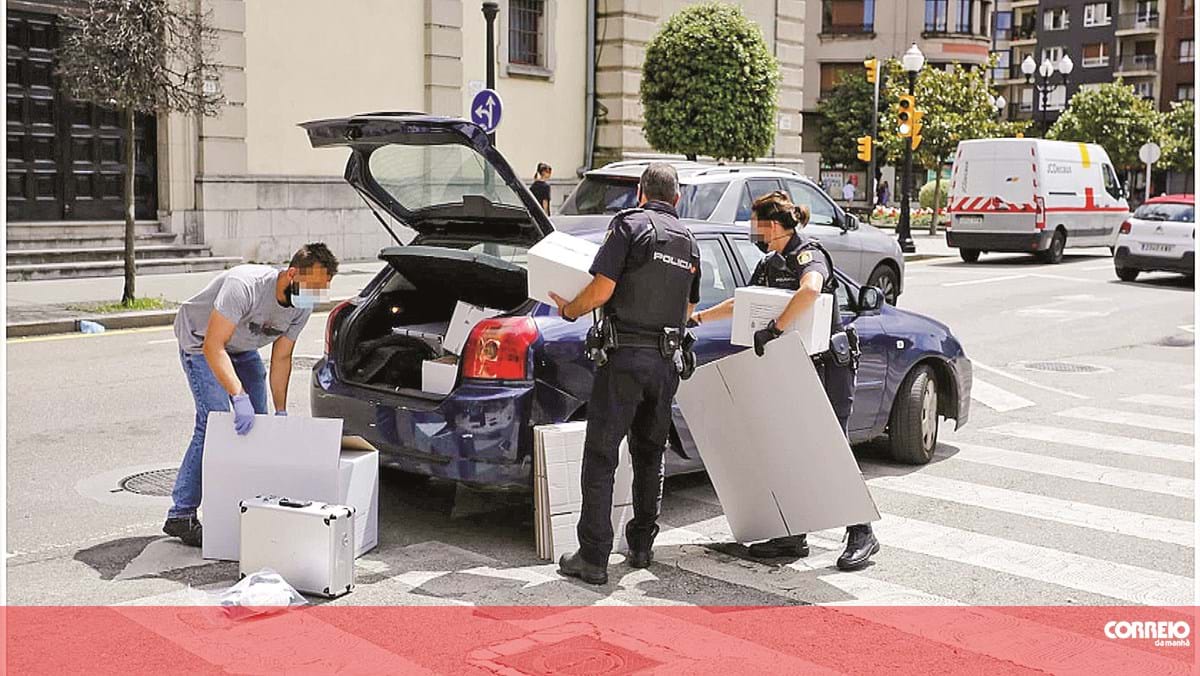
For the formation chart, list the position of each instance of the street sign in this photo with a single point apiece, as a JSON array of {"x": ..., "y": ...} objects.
[
  {"x": 486, "y": 108},
  {"x": 1149, "y": 152}
]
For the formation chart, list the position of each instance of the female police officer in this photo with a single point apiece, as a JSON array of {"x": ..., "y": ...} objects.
[{"x": 797, "y": 262}]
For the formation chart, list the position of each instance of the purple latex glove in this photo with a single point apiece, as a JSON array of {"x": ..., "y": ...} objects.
[{"x": 243, "y": 414}]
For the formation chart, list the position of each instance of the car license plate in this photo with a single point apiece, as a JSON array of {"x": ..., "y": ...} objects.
[
  {"x": 970, "y": 220},
  {"x": 1157, "y": 247}
]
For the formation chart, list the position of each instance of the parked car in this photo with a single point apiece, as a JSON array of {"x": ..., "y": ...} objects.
[
  {"x": 1029, "y": 195},
  {"x": 474, "y": 222},
  {"x": 1161, "y": 235},
  {"x": 724, "y": 194}
]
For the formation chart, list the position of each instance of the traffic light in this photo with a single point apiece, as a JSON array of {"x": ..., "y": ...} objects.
[
  {"x": 916, "y": 128},
  {"x": 864, "y": 148},
  {"x": 872, "y": 66},
  {"x": 904, "y": 114}
]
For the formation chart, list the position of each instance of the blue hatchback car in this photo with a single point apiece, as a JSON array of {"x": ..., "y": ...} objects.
[{"x": 463, "y": 223}]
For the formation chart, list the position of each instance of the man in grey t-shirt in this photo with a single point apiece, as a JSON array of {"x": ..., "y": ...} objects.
[{"x": 220, "y": 331}]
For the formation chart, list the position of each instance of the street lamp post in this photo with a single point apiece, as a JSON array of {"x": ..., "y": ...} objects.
[
  {"x": 1044, "y": 81},
  {"x": 912, "y": 61},
  {"x": 999, "y": 103},
  {"x": 490, "y": 9}
]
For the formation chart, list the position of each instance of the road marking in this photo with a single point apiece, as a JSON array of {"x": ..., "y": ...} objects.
[
  {"x": 1147, "y": 421},
  {"x": 1065, "y": 569},
  {"x": 1093, "y": 268},
  {"x": 1073, "y": 469},
  {"x": 996, "y": 398},
  {"x": 1164, "y": 400},
  {"x": 1066, "y": 278},
  {"x": 867, "y": 591},
  {"x": 1069, "y": 512},
  {"x": 1096, "y": 441},
  {"x": 1026, "y": 381},
  {"x": 985, "y": 280},
  {"x": 532, "y": 576},
  {"x": 75, "y": 336},
  {"x": 1190, "y": 328},
  {"x": 162, "y": 342}
]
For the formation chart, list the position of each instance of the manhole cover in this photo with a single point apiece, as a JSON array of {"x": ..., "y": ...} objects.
[
  {"x": 1060, "y": 367},
  {"x": 1177, "y": 341},
  {"x": 157, "y": 482},
  {"x": 304, "y": 362}
]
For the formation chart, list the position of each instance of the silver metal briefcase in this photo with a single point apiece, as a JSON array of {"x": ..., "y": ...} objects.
[{"x": 311, "y": 544}]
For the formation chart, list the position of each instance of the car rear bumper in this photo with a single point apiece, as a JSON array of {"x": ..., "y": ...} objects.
[
  {"x": 479, "y": 436},
  {"x": 1022, "y": 241},
  {"x": 1185, "y": 264}
]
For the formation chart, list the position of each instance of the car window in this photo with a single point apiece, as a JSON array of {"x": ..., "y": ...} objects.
[
  {"x": 1164, "y": 211},
  {"x": 601, "y": 195},
  {"x": 698, "y": 200},
  {"x": 427, "y": 176},
  {"x": 1111, "y": 184},
  {"x": 823, "y": 211},
  {"x": 754, "y": 188},
  {"x": 517, "y": 255},
  {"x": 716, "y": 277}
]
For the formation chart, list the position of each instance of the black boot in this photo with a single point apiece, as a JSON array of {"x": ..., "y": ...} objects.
[
  {"x": 187, "y": 529},
  {"x": 860, "y": 546},
  {"x": 573, "y": 565},
  {"x": 641, "y": 549},
  {"x": 794, "y": 546}
]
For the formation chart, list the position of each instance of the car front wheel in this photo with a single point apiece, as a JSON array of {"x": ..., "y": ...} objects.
[
  {"x": 885, "y": 279},
  {"x": 969, "y": 255},
  {"x": 913, "y": 429}
]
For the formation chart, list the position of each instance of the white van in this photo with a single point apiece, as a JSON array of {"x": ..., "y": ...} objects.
[{"x": 1033, "y": 195}]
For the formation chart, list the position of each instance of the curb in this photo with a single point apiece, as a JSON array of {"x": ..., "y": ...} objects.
[{"x": 117, "y": 321}]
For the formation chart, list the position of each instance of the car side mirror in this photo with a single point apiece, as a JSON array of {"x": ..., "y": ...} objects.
[
  {"x": 852, "y": 222},
  {"x": 870, "y": 299}
]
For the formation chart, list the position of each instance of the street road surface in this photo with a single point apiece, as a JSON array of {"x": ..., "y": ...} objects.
[{"x": 1071, "y": 484}]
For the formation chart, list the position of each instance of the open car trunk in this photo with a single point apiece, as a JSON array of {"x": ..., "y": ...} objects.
[{"x": 388, "y": 338}]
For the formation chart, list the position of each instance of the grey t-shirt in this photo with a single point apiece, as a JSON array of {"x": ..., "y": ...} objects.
[{"x": 245, "y": 295}]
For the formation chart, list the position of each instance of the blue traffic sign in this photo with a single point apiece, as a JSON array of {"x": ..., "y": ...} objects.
[{"x": 485, "y": 109}]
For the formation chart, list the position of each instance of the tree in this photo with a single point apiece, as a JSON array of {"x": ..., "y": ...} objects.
[
  {"x": 1115, "y": 117},
  {"x": 1179, "y": 137},
  {"x": 139, "y": 56},
  {"x": 957, "y": 103},
  {"x": 843, "y": 116},
  {"x": 709, "y": 85}
]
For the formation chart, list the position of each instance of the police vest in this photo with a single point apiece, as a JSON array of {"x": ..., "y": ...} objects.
[
  {"x": 784, "y": 272},
  {"x": 654, "y": 295}
]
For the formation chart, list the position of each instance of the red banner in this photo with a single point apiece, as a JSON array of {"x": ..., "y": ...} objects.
[{"x": 602, "y": 640}]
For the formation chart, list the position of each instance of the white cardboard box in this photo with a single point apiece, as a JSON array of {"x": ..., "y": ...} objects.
[
  {"x": 776, "y": 456},
  {"x": 755, "y": 306},
  {"x": 465, "y": 317},
  {"x": 560, "y": 263},
  {"x": 437, "y": 377},
  {"x": 294, "y": 456}
]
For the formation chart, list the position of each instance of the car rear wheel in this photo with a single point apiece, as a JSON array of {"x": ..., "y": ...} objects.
[
  {"x": 913, "y": 429},
  {"x": 1127, "y": 274},
  {"x": 969, "y": 255},
  {"x": 885, "y": 279},
  {"x": 1054, "y": 254}
]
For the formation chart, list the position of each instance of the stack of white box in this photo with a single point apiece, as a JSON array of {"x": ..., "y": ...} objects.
[{"x": 558, "y": 462}]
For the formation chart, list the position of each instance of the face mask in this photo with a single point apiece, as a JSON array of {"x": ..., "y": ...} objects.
[
  {"x": 760, "y": 242},
  {"x": 301, "y": 299}
]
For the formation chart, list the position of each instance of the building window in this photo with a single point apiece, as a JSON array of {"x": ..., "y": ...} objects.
[
  {"x": 935, "y": 16},
  {"x": 527, "y": 32},
  {"x": 848, "y": 16},
  {"x": 1003, "y": 64},
  {"x": 1144, "y": 89},
  {"x": 1095, "y": 55},
  {"x": 966, "y": 17},
  {"x": 1004, "y": 25},
  {"x": 1185, "y": 92},
  {"x": 1026, "y": 104},
  {"x": 985, "y": 19},
  {"x": 1147, "y": 10},
  {"x": 1187, "y": 50},
  {"x": 1055, "y": 54},
  {"x": 833, "y": 73},
  {"x": 1097, "y": 14},
  {"x": 1056, "y": 19}
]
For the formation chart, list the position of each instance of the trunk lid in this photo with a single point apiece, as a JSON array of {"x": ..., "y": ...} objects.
[{"x": 439, "y": 176}]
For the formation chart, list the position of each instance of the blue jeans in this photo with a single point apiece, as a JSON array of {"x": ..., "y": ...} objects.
[{"x": 210, "y": 396}]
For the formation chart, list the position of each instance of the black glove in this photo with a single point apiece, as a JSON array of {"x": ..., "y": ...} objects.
[
  {"x": 691, "y": 323},
  {"x": 764, "y": 336}
]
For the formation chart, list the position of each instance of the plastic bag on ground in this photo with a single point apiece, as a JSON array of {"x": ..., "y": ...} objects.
[{"x": 259, "y": 593}]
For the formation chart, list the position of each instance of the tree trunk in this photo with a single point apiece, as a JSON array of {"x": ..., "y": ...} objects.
[
  {"x": 937, "y": 197},
  {"x": 691, "y": 157},
  {"x": 130, "y": 231}
]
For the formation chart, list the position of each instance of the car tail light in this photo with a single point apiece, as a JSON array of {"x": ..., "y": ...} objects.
[
  {"x": 1126, "y": 227},
  {"x": 1040, "y": 215},
  {"x": 498, "y": 349},
  {"x": 334, "y": 314}
]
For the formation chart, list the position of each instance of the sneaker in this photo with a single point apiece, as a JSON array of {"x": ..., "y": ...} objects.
[
  {"x": 186, "y": 528},
  {"x": 795, "y": 546}
]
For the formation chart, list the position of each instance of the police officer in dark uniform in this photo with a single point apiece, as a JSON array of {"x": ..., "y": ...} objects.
[
  {"x": 797, "y": 262},
  {"x": 646, "y": 276}
]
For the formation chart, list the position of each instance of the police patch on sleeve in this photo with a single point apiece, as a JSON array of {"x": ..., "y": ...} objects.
[{"x": 804, "y": 257}]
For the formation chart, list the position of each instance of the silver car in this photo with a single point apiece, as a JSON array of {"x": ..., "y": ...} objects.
[{"x": 723, "y": 194}]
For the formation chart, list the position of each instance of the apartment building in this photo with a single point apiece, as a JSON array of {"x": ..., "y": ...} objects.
[{"x": 840, "y": 34}]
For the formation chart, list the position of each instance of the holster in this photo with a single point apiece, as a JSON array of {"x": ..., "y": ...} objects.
[
  {"x": 687, "y": 358},
  {"x": 844, "y": 349},
  {"x": 600, "y": 339}
]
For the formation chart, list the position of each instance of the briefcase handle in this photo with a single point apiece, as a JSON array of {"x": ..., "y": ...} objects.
[{"x": 287, "y": 502}]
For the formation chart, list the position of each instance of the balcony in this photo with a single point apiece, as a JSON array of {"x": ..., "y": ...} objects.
[
  {"x": 1128, "y": 64},
  {"x": 1095, "y": 61},
  {"x": 1137, "y": 23},
  {"x": 848, "y": 29},
  {"x": 1025, "y": 33}
]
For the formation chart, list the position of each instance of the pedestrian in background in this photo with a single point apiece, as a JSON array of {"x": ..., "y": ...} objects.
[
  {"x": 848, "y": 192},
  {"x": 541, "y": 186},
  {"x": 883, "y": 194},
  {"x": 220, "y": 331}
]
